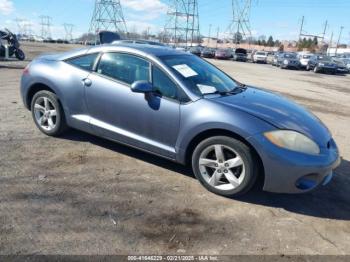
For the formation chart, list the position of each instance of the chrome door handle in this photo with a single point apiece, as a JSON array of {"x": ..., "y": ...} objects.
[{"x": 87, "y": 82}]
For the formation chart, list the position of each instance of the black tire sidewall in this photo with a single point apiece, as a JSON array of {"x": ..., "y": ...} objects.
[
  {"x": 20, "y": 55},
  {"x": 248, "y": 159},
  {"x": 60, "y": 120}
]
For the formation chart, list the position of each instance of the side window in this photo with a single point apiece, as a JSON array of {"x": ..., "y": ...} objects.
[
  {"x": 124, "y": 67},
  {"x": 163, "y": 84},
  {"x": 85, "y": 62}
]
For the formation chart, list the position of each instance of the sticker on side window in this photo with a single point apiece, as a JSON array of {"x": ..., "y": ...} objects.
[{"x": 185, "y": 70}]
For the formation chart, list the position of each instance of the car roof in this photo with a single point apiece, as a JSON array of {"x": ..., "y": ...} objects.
[{"x": 141, "y": 49}]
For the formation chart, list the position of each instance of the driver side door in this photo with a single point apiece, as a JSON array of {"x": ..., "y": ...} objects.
[{"x": 147, "y": 121}]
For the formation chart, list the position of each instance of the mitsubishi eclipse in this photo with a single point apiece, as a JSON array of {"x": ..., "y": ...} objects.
[{"x": 180, "y": 107}]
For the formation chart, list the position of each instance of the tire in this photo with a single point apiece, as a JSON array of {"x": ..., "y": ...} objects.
[
  {"x": 215, "y": 175},
  {"x": 308, "y": 68},
  {"x": 20, "y": 55},
  {"x": 45, "y": 106},
  {"x": 316, "y": 69}
]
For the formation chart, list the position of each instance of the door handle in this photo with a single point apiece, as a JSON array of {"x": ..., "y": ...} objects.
[{"x": 87, "y": 82}]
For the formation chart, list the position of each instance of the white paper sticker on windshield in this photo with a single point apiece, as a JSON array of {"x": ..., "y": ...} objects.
[
  {"x": 206, "y": 89},
  {"x": 185, "y": 70}
]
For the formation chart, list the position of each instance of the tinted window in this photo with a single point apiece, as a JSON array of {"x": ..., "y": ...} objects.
[
  {"x": 85, "y": 62},
  {"x": 124, "y": 67},
  {"x": 163, "y": 84}
]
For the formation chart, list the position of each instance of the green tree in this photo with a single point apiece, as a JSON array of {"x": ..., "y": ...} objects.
[{"x": 270, "y": 41}]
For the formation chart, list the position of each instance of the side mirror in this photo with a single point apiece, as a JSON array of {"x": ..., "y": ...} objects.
[{"x": 142, "y": 87}]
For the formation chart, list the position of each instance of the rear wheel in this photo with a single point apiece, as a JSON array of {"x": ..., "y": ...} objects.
[
  {"x": 224, "y": 166},
  {"x": 20, "y": 55},
  {"x": 48, "y": 114},
  {"x": 316, "y": 70}
]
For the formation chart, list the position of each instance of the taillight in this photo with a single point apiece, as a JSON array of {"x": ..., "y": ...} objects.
[{"x": 26, "y": 70}]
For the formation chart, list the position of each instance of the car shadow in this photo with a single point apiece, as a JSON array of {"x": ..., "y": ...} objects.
[{"x": 331, "y": 201}]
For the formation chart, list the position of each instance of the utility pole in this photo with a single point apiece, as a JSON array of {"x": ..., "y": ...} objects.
[
  {"x": 217, "y": 37},
  {"x": 240, "y": 24},
  {"x": 183, "y": 22},
  {"x": 336, "y": 48},
  {"x": 209, "y": 33},
  {"x": 45, "y": 26},
  {"x": 301, "y": 28},
  {"x": 108, "y": 15},
  {"x": 69, "y": 31}
]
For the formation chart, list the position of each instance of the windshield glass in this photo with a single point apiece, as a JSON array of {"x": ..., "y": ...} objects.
[
  {"x": 306, "y": 56},
  {"x": 261, "y": 53},
  {"x": 290, "y": 55},
  {"x": 324, "y": 58},
  {"x": 199, "y": 76}
]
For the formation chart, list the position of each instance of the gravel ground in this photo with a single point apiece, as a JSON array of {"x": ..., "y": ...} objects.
[{"x": 79, "y": 194}]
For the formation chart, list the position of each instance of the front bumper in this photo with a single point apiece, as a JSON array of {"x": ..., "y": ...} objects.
[{"x": 293, "y": 172}]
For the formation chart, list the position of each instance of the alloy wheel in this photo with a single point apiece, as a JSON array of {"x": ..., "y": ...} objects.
[
  {"x": 45, "y": 113},
  {"x": 221, "y": 167}
]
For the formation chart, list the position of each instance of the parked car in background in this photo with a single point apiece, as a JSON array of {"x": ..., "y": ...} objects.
[
  {"x": 288, "y": 60},
  {"x": 240, "y": 54},
  {"x": 304, "y": 60},
  {"x": 270, "y": 56},
  {"x": 208, "y": 53},
  {"x": 322, "y": 64},
  {"x": 195, "y": 50},
  {"x": 250, "y": 54},
  {"x": 275, "y": 58},
  {"x": 223, "y": 54},
  {"x": 341, "y": 66},
  {"x": 180, "y": 107},
  {"x": 260, "y": 57}
]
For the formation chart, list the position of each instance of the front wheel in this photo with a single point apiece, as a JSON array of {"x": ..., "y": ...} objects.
[
  {"x": 48, "y": 114},
  {"x": 316, "y": 70},
  {"x": 224, "y": 166},
  {"x": 20, "y": 55}
]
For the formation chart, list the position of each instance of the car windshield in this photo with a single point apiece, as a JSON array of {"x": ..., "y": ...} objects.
[
  {"x": 290, "y": 55},
  {"x": 199, "y": 76},
  {"x": 261, "y": 53},
  {"x": 306, "y": 56},
  {"x": 324, "y": 58}
]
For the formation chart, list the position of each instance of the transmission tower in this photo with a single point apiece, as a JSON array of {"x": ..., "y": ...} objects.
[
  {"x": 305, "y": 34},
  {"x": 69, "y": 31},
  {"x": 45, "y": 22},
  {"x": 183, "y": 22},
  {"x": 108, "y": 15},
  {"x": 239, "y": 28}
]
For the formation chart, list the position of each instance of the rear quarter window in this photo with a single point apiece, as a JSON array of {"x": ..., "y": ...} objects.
[{"x": 85, "y": 62}]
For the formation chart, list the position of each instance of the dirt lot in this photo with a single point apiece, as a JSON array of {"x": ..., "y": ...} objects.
[{"x": 83, "y": 195}]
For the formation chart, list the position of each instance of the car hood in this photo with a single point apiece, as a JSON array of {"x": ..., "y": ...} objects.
[{"x": 278, "y": 111}]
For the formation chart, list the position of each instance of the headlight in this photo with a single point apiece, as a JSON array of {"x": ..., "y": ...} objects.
[
  {"x": 285, "y": 62},
  {"x": 293, "y": 141}
]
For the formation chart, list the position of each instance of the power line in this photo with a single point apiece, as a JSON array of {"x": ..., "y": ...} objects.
[
  {"x": 239, "y": 28},
  {"x": 183, "y": 22},
  {"x": 68, "y": 28},
  {"x": 45, "y": 26},
  {"x": 108, "y": 15}
]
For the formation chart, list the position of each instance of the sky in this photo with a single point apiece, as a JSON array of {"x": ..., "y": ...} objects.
[{"x": 279, "y": 18}]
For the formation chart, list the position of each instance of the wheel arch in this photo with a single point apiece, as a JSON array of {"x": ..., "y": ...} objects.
[
  {"x": 223, "y": 132},
  {"x": 35, "y": 88}
]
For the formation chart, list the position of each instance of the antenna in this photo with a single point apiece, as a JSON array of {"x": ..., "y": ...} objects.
[
  {"x": 69, "y": 31},
  {"x": 183, "y": 22},
  {"x": 45, "y": 26},
  {"x": 239, "y": 28},
  {"x": 108, "y": 15}
]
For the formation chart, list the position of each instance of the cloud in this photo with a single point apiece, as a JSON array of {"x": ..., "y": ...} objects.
[
  {"x": 6, "y": 7},
  {"x": 153, "y": 6}
]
